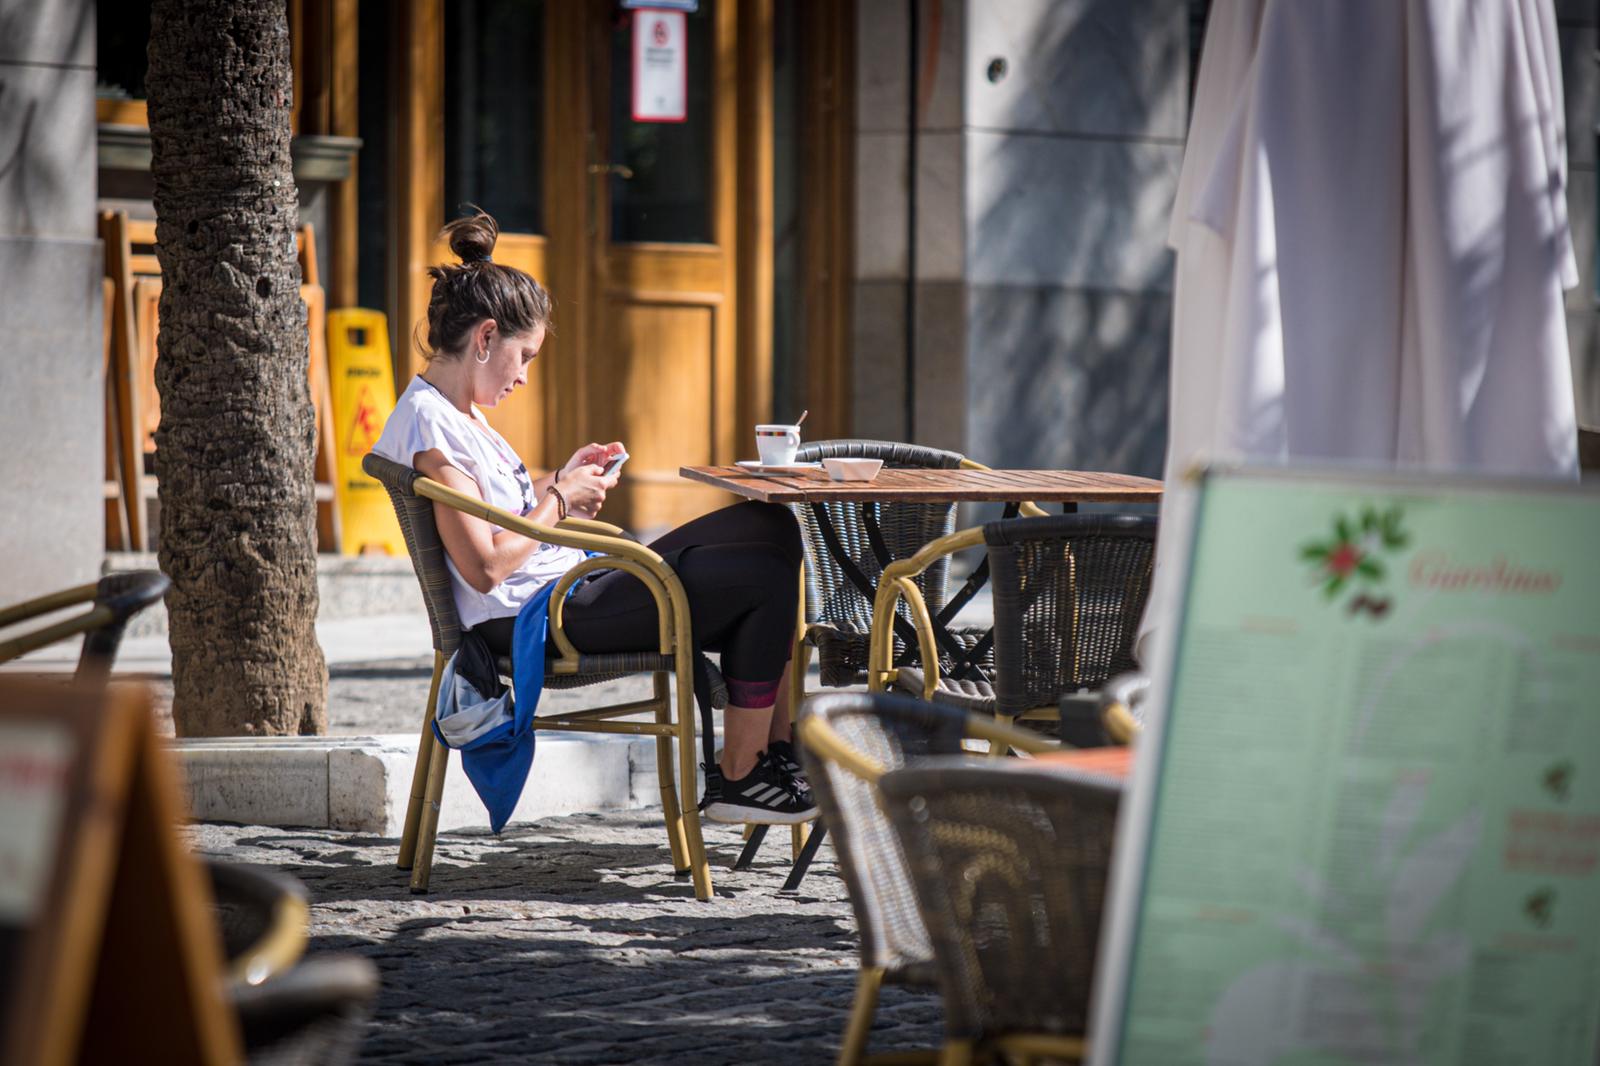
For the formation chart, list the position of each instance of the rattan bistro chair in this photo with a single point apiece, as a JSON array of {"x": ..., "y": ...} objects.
[
  {"x": 1009, "y": 866},
  {"x": 1068, "y": 594},
  {"x": 114, "y": 599},
  {"x": 291, "y": 1009},
  {"x": 838, "y": 614},
  {"x": 848, "y": 741},
  {"x": 413, "y": 497}
]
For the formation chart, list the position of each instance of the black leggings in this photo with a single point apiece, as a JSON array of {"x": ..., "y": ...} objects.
[{"x": 740, "y": 568}]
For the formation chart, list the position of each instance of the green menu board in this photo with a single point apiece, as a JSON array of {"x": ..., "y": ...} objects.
[{"x": 1364, "y": 822}]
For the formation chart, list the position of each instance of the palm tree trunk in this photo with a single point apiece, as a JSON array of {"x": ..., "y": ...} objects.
[{"x": 235, "y": 448}]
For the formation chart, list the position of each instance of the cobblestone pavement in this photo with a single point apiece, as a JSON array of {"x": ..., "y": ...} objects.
[{"x": 569, "y": 941}]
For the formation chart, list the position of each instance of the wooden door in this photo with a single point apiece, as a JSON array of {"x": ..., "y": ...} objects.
[
  {"x": 661, "y": 371},
  {"x": 496, "y": 87}
]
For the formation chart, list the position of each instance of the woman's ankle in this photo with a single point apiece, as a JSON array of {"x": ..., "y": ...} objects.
[{"x": 736, "y": 769}]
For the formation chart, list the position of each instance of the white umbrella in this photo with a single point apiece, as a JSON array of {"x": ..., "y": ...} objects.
[{"x": 1372, "y": 243}]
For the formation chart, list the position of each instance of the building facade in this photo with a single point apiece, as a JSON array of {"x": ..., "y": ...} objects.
[{"x": 932, "y": 220}]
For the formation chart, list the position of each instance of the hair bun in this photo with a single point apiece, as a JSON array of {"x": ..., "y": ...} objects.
[{"x": 472, "y": 238}]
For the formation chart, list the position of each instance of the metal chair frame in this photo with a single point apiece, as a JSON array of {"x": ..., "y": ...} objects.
[{"x": 673, "y": 657}]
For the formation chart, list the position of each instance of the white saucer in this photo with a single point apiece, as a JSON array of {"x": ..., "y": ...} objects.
[{"x": 757, "y": 466}]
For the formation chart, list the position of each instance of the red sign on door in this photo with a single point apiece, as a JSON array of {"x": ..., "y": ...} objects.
[{"x": 660, "y": 66}]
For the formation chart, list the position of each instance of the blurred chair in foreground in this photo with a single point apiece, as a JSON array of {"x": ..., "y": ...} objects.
[
  {"x": 292, "y": 1011},
  {"x": 1009, "y": 864},
  {"x": 115, "y": 598},
  {"x": 848, "y": 742}
]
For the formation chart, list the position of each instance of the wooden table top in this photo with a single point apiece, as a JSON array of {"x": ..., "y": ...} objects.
[{"x": 932, "y": 486}]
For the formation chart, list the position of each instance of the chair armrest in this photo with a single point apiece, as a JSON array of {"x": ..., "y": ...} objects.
[
  {"x": 616, "y": 553},
  {"x": 895, "y": 582},
  {"x": 567, "y": 534},
  {"x": 590, "y": 525}
]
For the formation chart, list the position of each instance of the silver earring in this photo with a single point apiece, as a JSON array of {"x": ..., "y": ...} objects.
[{"x": 483, "y": 356}]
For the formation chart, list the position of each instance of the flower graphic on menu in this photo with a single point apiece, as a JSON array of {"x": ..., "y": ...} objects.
[
  {"x": 1354, "y": 558},
  {"x": 1558, "y": 779},
  {"x": 1539, "y": 907}
]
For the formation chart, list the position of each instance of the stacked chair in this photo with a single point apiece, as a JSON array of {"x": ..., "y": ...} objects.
[
  {"x": 132, "y": 293},
  {"x": 849, "y": 741}
]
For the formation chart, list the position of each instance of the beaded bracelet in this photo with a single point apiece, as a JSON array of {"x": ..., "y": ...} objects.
[{"x": 561, "y": 503}]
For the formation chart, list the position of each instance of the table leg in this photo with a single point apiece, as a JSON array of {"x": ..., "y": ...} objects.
[{"x": 798, "y": 872}]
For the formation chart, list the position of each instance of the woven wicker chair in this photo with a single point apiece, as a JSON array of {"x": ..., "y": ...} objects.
[
  {"x": 1009, "y": 866},
  {"x": 414, "y": 497},
  {"x": 839, "y": 617},
  {"x": 1068, "y": 594},
  {"x": 1122, "y": 706},
  {"x": 291, "y": 1010},
  {"x": 115, "y": 597},
  {"x": 848, "y": 741}
]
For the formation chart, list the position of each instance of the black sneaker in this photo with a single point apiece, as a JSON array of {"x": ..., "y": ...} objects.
[
  {"x": 788, "y": 761},
  {"x": 765, "y": 796}
]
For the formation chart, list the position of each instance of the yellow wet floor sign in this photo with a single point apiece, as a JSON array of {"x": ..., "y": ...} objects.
[{"x": 363, "y": 397}]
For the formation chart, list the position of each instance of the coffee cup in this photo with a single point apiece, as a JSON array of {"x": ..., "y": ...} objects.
[{"x": 777, "y": 444}]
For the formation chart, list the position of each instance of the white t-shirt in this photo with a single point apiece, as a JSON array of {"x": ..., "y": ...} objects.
[{"x": 424, "y": 420}]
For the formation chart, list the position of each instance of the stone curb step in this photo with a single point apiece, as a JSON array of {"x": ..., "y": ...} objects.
[{"x": 362, "y": 784}]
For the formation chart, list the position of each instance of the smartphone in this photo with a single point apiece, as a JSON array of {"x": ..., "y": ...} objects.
[{"x": 615, "y": 464}]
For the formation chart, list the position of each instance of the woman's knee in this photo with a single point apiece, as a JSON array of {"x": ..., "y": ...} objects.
[{"x": 779, "y": 526}]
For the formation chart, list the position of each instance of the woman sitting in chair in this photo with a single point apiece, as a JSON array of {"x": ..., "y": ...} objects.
[{"x": 739, "y": 566}]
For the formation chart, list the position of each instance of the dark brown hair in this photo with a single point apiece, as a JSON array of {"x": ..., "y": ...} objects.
[{"x": 477, "y": 288}]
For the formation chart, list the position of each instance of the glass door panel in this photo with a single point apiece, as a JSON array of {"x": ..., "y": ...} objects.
[
  {"x": 660, "y": 172},
  {"x": 494, "y": 137},
  {"x": 494, "y": 110}
]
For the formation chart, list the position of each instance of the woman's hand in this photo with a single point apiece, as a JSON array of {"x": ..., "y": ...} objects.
[
  {"x": 584, "y": 488},
  {"x": 590, "y": 455}
]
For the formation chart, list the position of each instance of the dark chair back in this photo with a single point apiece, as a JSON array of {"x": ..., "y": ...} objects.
[
  {"x": 831, "y": 597},
  {"x": 1069, "y": 591},
  {"x": 1009, "y": 865},
  {"x": 115, "y": 599},
  {"x": 417, "y": 525},
  {"x": 890, "y": 731}
]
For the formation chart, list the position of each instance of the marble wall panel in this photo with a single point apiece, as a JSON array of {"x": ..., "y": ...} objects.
[
  {"x": 941, "y": 205},
  {"x": 882, "y": 66},
  {"x": 1581, "y": 12},
  {"x": 58, "y": 32},
  {"x": 1103, "y": 67},
  {"x": 943, "y": 60},
  {"x": 1581, "y": 207},
  {"x": 877, "y": 364},
  {"x": 880, "y": 238},
  {"x": 1067, "y": 211},
  {"x": 1583, "y": 335},
  {"x": 1580, "y": 76},
  {"x": 940, "y": 380},
  {"x": 1067, "y": 378},
  {"x": 52, "y": 416},
  {"x": 47, "y": 151}
]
